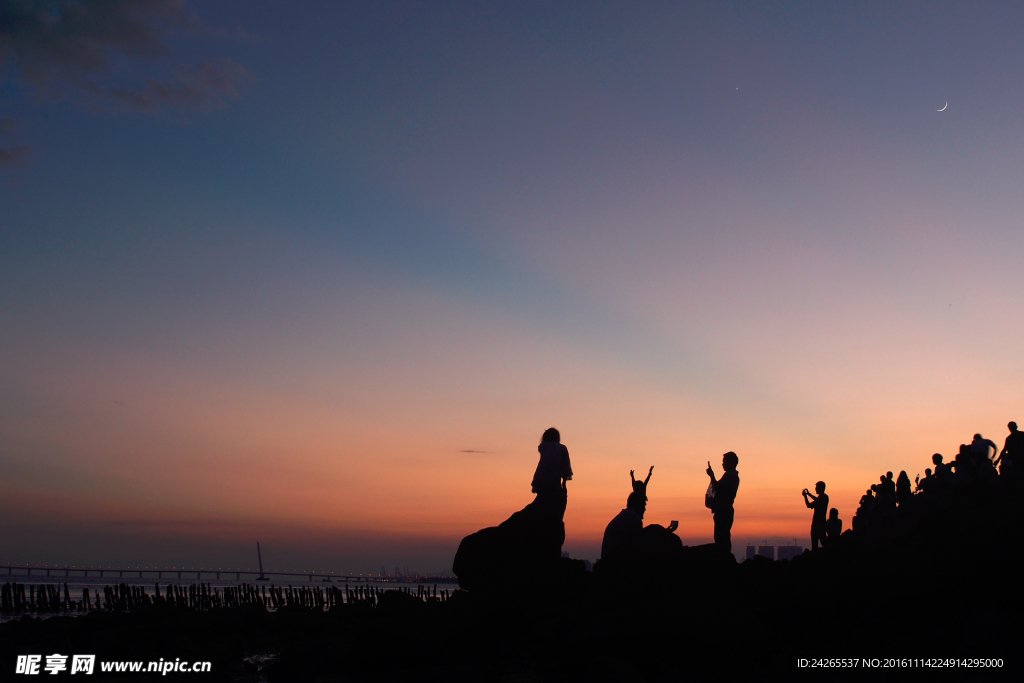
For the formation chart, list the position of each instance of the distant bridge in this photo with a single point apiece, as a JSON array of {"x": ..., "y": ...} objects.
[{"x": 201, "y": 573}]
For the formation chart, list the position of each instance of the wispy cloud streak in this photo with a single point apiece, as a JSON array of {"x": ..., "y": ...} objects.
[{"x": 71, "y": 48}]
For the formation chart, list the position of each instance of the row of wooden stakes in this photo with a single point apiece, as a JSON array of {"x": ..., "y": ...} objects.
[{"x": 17, "y": 598}]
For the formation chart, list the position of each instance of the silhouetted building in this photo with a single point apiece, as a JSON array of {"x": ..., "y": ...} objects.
[
  {"x": 751, "y": 551},
  {"x": 766, "y": 551},
  {"x": 788, "y": 552}
]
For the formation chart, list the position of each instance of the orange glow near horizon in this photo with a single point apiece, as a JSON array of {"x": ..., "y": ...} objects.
[{"x": 234, "y": 461}]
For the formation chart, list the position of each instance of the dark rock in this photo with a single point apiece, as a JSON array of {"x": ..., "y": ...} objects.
[
  {"x": 399, "y": 603},
  {"x": 523, "y": 550}
]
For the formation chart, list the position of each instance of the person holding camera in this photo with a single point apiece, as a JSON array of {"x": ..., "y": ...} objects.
[
  {"x": 819, "y": 522},
  {"x": 720, "y": 496}
]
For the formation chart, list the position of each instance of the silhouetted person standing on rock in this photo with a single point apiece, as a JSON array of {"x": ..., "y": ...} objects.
[
  {"x": 819, "y": 503},
  {"x": 553, "y": 470},
  {"x": 1012, "y": 454},
  {"x": 626, "y": 526},
  {"x": 724, "y": 491}
]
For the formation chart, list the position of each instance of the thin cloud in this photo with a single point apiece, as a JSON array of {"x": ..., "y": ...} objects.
[
  {"x": 67, "y": 48},
  {"x": 470, "y": 450},
  {"x": 197, "y": 88},
  {"x": 18, "y": 155}
]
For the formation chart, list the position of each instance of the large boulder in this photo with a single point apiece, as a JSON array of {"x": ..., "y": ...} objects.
[
  {"x": 655, "y": 553},
  {"x": 524, "y": 549}
]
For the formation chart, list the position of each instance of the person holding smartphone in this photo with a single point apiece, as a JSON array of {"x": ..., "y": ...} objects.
[
  {"x": 725, "y": 494},
  {"x": 819, "y": 503}
]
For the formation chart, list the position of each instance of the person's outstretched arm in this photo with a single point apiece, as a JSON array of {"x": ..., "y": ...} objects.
[
  {"x": 995, "y": 448},
  {"x": 1006, "y": 445},
  {"x": 649, "y": 473},
  {"x": 711, "y": 473},
  {"x": 632, "y": 479}
]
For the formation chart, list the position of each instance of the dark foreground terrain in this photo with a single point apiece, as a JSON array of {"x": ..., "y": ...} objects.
[{"x": 936, "y": 583}]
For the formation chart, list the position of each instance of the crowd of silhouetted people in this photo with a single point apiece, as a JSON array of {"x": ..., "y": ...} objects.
[{"x": 978, "y": 468}]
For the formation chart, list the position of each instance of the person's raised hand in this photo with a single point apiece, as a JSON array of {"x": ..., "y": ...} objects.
[
  {"x": 631, "y": 474},
  {"x": 710, "y": 471}
]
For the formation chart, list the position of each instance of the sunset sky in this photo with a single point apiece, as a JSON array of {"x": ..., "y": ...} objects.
[{"x": 320, "y": 273}]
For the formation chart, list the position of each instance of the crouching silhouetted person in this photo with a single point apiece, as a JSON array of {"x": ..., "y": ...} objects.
[
  {"x": 819, "y": 503},
  {"x": 720, "y": 497},
  {"x": 625, "y": 527}
]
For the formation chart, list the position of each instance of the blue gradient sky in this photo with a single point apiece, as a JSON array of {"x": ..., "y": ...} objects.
[{"x": 415, "y": 230}]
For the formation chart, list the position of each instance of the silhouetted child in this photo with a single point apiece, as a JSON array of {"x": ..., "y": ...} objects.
[
  {"x": 641, "y": 486},
  {"x": 819, "y": 503},
  {"x": 834, "y": 526}
]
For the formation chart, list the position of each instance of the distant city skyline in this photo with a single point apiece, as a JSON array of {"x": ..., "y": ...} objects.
[{"x": 320, "y": 274}]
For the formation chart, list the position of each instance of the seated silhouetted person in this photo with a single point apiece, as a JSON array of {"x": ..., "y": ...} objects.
[
  {"x": 834, "y": 526},
  {"x": 630, "y": 550},
  {"x": 819, "y": 503},
  {"x": 626, "y": 527},
  {"x": 641, "y": 486},
  {"x": 724, "y": 494},
  {"x": 903, "y": 492},
  {"x": 553, "y": 471}
]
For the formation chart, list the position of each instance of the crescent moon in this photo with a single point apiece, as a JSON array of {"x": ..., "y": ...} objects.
[{"x": 943, "y": 107}]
